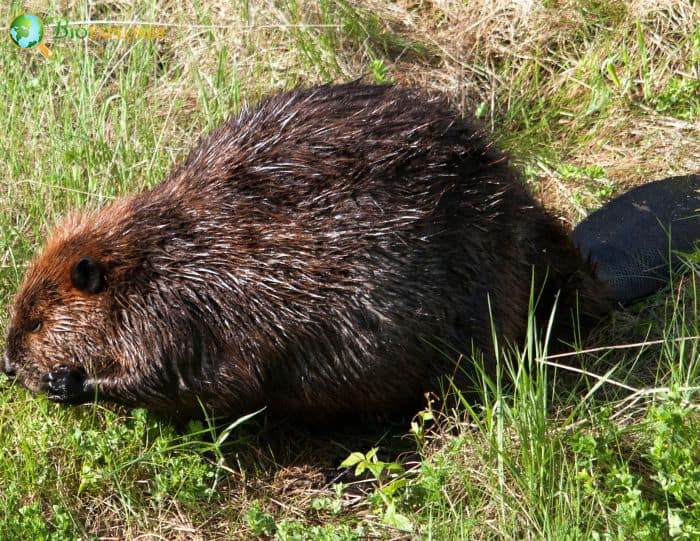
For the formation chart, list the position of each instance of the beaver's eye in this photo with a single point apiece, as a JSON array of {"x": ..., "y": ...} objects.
[{"x": 35, "y": 326}]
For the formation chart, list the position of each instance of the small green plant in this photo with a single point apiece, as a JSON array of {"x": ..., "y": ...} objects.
[
  {"x": 378, "y": 71},
  {"x": 680, "y": 98},
  {"x": 259, "y": 521},
  {"x": 328, "y": 505},
  {"x": 292, "y": 530},
  {"x": 420, "y": 423},
  {"x": 33, "y": 522},
  {"x": 391, "y": 480},
  {"x": 660, "y": 497},
  {"x": 595, "y": 186}
]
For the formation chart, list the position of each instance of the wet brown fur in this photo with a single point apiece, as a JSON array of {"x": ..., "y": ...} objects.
[{"x": 307, "y": 256}]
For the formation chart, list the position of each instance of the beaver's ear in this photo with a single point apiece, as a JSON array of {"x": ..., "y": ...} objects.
[{"x": 87, "y": 276}]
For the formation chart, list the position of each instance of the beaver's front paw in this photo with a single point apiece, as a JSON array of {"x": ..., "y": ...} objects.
[{"x": 67, "y": 385}]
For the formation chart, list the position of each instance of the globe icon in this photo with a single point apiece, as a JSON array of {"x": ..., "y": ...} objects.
[{"x": 27, "y": 31}]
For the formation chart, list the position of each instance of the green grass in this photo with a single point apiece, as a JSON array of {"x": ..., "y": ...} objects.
[{"x": 591, "y": 97}]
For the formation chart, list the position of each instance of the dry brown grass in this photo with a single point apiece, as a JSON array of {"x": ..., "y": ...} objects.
[{"x": 510, "y": 55}]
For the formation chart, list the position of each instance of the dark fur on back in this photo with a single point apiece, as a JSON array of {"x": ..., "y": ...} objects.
[{"x": 303, "y": 258}]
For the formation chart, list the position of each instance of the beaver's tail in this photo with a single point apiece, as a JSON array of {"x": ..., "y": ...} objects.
[{"x": 634, "y": 240}]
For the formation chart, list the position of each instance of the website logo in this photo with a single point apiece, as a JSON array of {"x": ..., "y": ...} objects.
[{"x": 27, "y": 31}]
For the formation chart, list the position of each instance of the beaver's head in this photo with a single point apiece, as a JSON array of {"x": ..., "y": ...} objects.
[{"x": 59, "y": 319}]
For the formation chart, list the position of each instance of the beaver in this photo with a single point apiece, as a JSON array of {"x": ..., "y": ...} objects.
[{"x": 320, "y": 254}]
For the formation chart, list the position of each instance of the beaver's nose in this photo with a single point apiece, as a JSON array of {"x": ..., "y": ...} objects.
[{"x": 9, "y": 370}]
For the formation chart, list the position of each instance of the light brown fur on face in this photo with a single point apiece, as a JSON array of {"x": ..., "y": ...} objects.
[
  {"x": 52, "y": 322},
  {"x": 306, "y": 257}
]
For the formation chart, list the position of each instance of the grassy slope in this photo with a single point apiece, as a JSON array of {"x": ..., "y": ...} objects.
[{"x": 590, "y": 96}]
